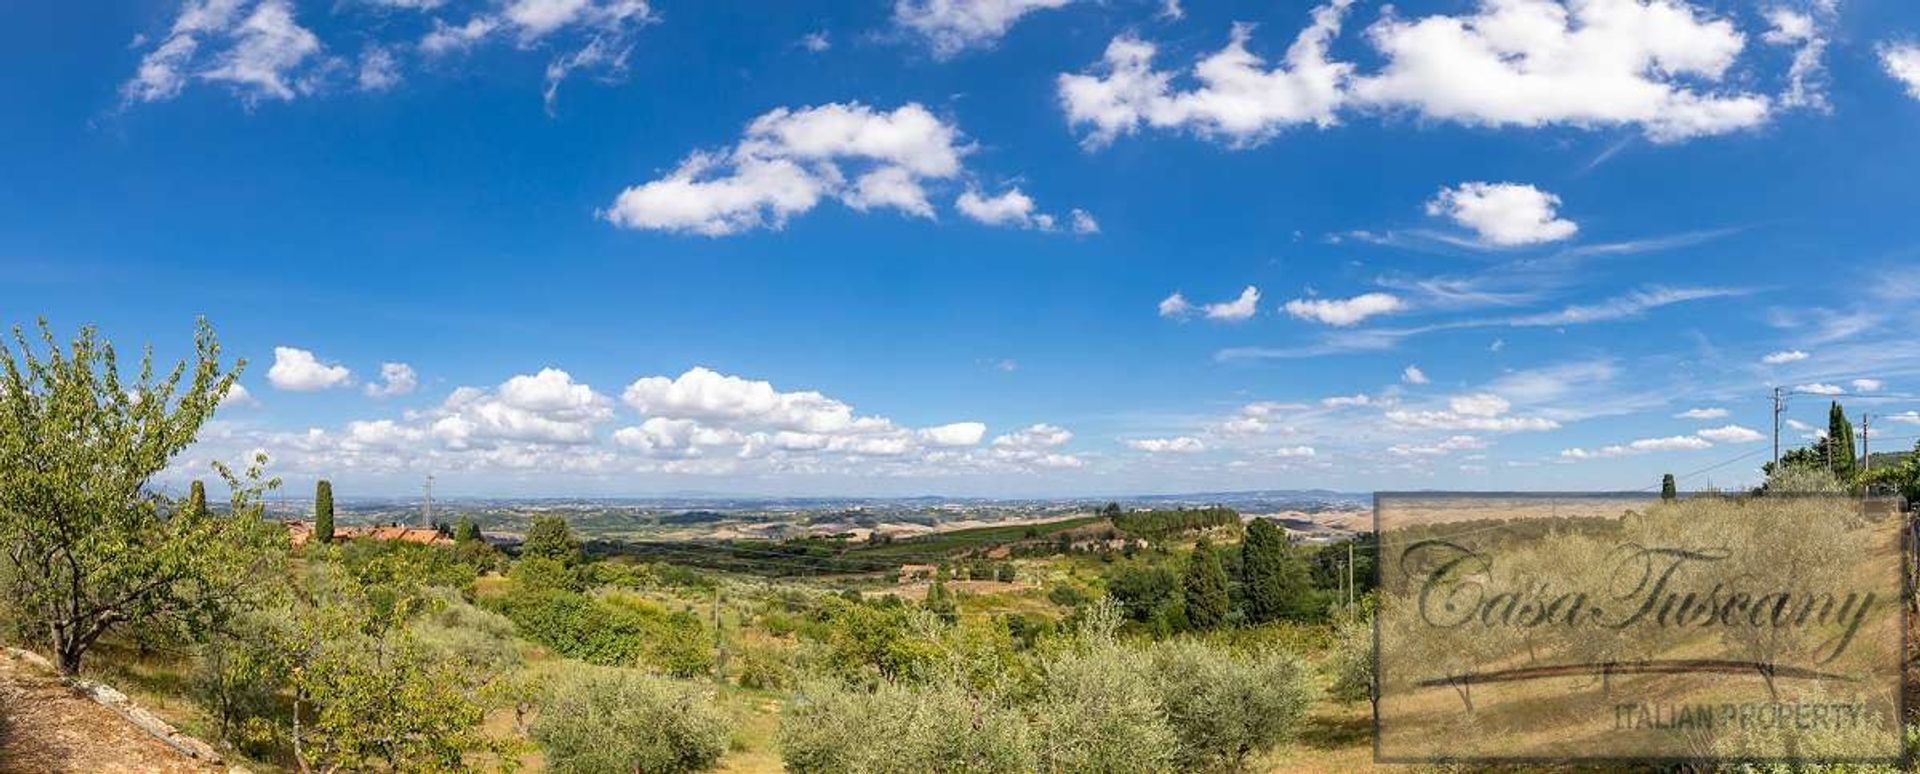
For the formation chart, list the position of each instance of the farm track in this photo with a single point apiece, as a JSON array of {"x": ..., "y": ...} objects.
[{"x": 50, "y": 728}]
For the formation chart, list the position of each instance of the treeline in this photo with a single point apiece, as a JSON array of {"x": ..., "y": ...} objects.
[
  {"x": 1157, "y": 523},
  {"x": 1265, "y": 578}
]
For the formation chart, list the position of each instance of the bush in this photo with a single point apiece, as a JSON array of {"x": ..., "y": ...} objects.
[
  {"x": 894, "y": 728},
  {"x": 765, "y": 667},
  {"x": 1098, "y": 711},
  {"x": 1225, "y": 707},
  {"x": 616, "y": 720}
]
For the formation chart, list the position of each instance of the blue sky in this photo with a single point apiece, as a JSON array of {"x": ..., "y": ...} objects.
[{"x": 626, "y": 247}]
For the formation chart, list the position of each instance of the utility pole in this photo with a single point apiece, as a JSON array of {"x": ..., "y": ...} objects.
[
  {"x": 719, "y": 642},
  {"x": 428, "y": 511},
  {"x": 1866, "y": 452},
  {"x": 1779, "y": 405},
  {"x": 1349, "y": 574}
]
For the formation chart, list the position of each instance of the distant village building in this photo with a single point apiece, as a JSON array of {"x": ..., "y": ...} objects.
[
  {"x": 911, "y": 572},
  {"x": 300, "y": 532}
]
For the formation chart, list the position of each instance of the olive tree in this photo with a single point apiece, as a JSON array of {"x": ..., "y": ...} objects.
[
  {"x": 89, "y": 544},
  {"x": 610, "y": 720}
]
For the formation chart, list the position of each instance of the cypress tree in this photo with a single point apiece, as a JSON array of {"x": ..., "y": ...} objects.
[
  {"x": 197, "y": 498},
  {"x": 323, "y": 512},
  {"x": 1205, "y": 587},
  {"x": 1839, "y": 444},
  {"x": 1667, "y": 489},
  {"x": 940, "y": 601},
  {"x": 1263, "y": 558}
]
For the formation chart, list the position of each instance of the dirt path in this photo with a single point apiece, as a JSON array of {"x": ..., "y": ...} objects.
[{"x": 49, "y": 728}]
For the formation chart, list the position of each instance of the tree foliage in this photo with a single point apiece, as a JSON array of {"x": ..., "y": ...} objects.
[
  {"x": 1205, "y": 588},
  {"x": 1273, "y": 578},
  {"x": 90, "y": 546},
  {"x": 609, "y": 721},
  {"x": 549, "y": 537},
  {"x": 323, "y": 512}
]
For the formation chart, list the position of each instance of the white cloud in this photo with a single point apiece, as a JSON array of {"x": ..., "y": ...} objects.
[
  {"x": 1082, "y": 222},
  {"x": 816, "y": 42},
  {"x": 1503, "y": 214},
  {"x": 1170, "y": 10},
  {"x": 1481, "y": 411},
  {"x": 1240, "y": 308},
  {"x": 1180, "y": 445},
  {"x": 1344, "y": 312},
  {"x": 266, "y": 53},
  {"x": 1785, "y": 356},
  {"x": 1630, "y": 305},
  {"x": 1649, "y": 64},
  {"x": 1641, "y": 446},
  {"x": 1806, "y": 77},
  {"x": 1908, "y": 417},
  {"x": 1902, "y": 61},
  {"x": 379, "y": 70},
  {"x": 1820, "y": 388},
  {"x": 1867, "y": 385},
  {"x": 1034, "y": 445},
  {"x": 953, "y": 26},
  {"x": 788, "y": 160},
  {"x": 547, "y": 407},
  {"x": 395, "y": 379},
  {"x": 1447, "y": 446},
  {"x": 1175, "y": 306},
  {"x": 1702, "y": 413},
  {"x": 956, "y": 434},
  {"x": 1413, "y": 375},
  {"x": 298, "y": 370},
  {"x": 1482, "y": 404},
  {"x": 1238, "y": 99},
  {"x": 1347, "y": 401},
  {"x": 1290, "y": 452},
  {"x": 237, "y": 395},
  {"x": 1730, "y": 434},
  {"x": 382, "y": 434},
  {"x": 712, "y": 397},
  {"x": 1012, "y": 208}
]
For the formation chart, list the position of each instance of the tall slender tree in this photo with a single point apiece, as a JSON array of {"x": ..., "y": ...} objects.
[
  {"x": 1839, "y": 442},
  {"x": 1668, "y": 490},
  {"x": 1206, "y": 587},
  {"x": 323, "y": 512},
  {"x": 1273, "y": 579},
  {"x": 197, "y": 499}
]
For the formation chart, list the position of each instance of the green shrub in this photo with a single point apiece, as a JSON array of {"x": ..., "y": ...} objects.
[
  {"x": 765, "y": 667},
  {"x": 830, "y": 727},
  {"x": 1099, "y": 710},
  {"x": 1225, "y": 707},
  {"x": 616, "y": 721}
]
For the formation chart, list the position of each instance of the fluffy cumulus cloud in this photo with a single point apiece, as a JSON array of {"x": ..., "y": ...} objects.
[
  {"x": 1413, "y": 375},
  {"x": 1656, "y": 65},
  {"x": 236, "y": 396},
  {"x": 1236, "y": 96},
  {"x": 1036, "y": 445},
  {"x": 1236, "y": 309},
  {"x": 395, "y": 379},
  {"x": 1178, "y": 445},
  {"x": 1820, "y": 388},
  {"x": 1902, "y": 61},
  {"x": 261, "y": 49},
  {"x": 1343, "y": 312},
  {"x": 1867, "y": 385},
  {"x": 1503, "y": 214},
  {"x": 953, "y": 26},
  {"x": 1446, "y": 446},
  {"x": 1784, "y": 356},
  {"x": 789, "y": 160},
  {"x": 1241, "y": 307},
  {"x": 299, "y": 370},
  {"x": 547, "y": 407},
  {"x": 1702, "y": 413}
]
